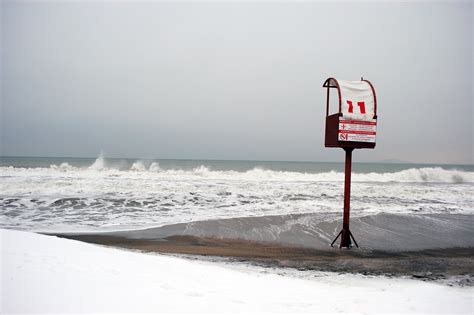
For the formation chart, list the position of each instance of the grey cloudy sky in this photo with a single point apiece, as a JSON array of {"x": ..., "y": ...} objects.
[{"x": 232, "y": 80}]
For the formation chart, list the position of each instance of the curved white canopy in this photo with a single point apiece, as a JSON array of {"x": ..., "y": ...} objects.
[{"x": 357, "y": 98}]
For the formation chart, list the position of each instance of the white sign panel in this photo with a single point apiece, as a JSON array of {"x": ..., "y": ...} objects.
[
  {"x": 357, "y": 130},
  {"x": 357, "y": 100}
]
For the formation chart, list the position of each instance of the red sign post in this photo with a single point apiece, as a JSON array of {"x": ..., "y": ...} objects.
[{"x": 354, "y": 126}]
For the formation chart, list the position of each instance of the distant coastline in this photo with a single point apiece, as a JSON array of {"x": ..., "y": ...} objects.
[{"x": 384, "y": 161}]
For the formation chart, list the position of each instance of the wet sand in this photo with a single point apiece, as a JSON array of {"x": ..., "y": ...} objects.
[
  {"x": 428, "y": 247},
  {"x": 385, "y": 232},
  {"x": 433, "y": 264}
]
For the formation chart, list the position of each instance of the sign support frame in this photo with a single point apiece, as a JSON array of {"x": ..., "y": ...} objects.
[{"x": 345, "y": 233}]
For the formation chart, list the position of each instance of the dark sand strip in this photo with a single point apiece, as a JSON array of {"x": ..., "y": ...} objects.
[
  {"x": 433, "y": 264},
  {"x": 437, "y": 246}
]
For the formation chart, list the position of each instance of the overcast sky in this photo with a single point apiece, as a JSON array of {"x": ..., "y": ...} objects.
[{"x": 232, "y": 80}]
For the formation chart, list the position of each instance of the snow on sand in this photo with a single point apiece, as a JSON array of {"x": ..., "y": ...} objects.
[{"x": 47, "y": 274}]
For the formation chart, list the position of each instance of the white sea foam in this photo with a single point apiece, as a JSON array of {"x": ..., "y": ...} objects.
[
  {"x": 138, "y": 166},
  {"x": 154, "y": 167},
  {"x": 62, "y": 167}
]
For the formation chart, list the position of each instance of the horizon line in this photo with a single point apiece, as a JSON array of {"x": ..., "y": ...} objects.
[{"x": 387, "y": 161}]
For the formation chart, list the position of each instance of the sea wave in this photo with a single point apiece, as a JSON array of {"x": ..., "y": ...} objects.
[
  {"x": 145, "y": 194},
  {"x": 140, "y": 169}
]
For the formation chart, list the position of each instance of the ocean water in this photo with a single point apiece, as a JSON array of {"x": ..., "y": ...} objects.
[{"x": 70, "y": 194}]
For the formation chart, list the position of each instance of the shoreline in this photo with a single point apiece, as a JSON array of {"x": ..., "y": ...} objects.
[
  {"x": 427, "y": 264},
  {"x": 436, "y": 247}
]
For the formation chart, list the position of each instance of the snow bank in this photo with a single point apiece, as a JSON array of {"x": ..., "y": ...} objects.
[{"x": 47, "y": 274}]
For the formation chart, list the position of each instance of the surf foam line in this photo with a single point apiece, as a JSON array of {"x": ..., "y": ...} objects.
[{"x": 139, "y": 170}]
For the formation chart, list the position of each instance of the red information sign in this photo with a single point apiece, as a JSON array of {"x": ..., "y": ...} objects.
[{"x": 357, "y": 130}]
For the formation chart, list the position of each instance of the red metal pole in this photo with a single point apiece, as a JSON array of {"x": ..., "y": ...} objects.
[
  {"x": 327, "y": 101},
  {"x": 346, "y": 234}
]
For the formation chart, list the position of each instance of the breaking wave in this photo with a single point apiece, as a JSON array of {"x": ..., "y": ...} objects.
[
  {"x": 154, "y": 167},
  {"x": 62, "y": 167},
  {"x": 99, "y": 163},
  {"x": 139, "y": 168}
]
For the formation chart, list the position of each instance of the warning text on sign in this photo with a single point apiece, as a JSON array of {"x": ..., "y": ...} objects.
[{"x": 357, "y": 130}]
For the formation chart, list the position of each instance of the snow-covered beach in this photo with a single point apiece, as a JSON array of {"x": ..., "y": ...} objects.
[{"x": 47, "y": 274}]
